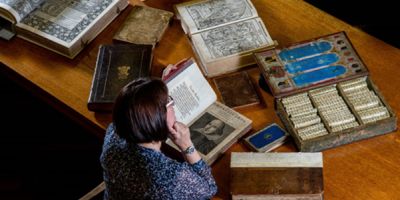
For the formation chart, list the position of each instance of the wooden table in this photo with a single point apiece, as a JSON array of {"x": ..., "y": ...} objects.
[{"x": 367, "y": 169}]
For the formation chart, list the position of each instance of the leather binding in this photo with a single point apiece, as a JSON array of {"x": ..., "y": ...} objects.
[
  {"x": 144, "y": 25},
  {"x": 237, "y": 90},
  {"x": 117, "y": 65}
]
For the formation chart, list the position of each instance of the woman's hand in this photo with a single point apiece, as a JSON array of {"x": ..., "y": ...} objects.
[{"x": 180, "y": 135}]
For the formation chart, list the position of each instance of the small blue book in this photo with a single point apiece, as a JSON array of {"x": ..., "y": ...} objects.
[{"x": 267, "y": 139}]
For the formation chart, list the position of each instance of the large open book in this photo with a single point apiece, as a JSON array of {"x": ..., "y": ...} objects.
[
  {"x": 63, "y": 26},
  {"x": 223, "y": 33},
  {"x": 214, "y": 127}
]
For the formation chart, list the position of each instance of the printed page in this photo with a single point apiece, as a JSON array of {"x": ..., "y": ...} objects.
[
  {"x": 232, "y": 39},
  {"x": 202, "y": 15},
  {"x": 64, "y": 21},
  {"x": 216, "y": 129},
  {"x": 15, "y": 10},
  {"x": 191, "y": 92}
]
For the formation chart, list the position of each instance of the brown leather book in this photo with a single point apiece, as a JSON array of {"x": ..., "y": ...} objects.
[
  {"x": 144, "y": 25},
  {"x": 237, "y": 90},
  {"x": 289, "y": 176},
  {"x": 117, "y": 65}
]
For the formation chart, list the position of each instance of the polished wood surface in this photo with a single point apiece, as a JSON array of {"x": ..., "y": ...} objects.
[{"x": 367, "y": 169}]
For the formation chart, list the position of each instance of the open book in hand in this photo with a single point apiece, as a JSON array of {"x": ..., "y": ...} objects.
[
  {"x": 213, "y": 126},
  {"x": 223, "y": 33},
  {"x": 63, "y": 26}
]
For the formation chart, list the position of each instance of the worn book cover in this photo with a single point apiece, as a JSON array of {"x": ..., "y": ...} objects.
[
  {"x": 65, "y": 27},
  {"x": 276, "y": 176},
  {"x": 223, "y": 33},
  {"x": 144, "y": 25},
  {"x": 213, "y": 126},
  {"x": 237, "y": 90},
  {"x": 117, "y": 65}
]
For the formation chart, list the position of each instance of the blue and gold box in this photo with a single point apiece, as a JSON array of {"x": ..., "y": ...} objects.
[{"x": 267, "y": 139}]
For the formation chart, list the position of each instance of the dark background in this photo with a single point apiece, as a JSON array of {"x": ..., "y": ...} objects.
[{"x": 44, "y": 155}]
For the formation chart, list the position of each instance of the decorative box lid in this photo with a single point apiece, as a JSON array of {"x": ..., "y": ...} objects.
[{"x": 310, "y": 64}]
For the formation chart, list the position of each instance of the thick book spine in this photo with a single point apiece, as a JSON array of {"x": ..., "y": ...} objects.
[
  {"x": 276, "y": 181},
  {"x": 95, "y": 82},
  {"x": 276, "y": 176}
]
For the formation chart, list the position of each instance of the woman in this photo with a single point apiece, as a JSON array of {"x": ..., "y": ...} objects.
[{"x": 134, "y": 167}]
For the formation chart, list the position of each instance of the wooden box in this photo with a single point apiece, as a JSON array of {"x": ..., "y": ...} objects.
[
  {"x": 276, "y": 176},
  {"x": 323, "y": 93}
]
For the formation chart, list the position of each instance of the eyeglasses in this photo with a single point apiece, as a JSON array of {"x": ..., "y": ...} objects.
[{"x": 170, "y": 102}]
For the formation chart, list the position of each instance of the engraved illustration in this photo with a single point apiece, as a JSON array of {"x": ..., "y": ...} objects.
[
  {"x": 233, "y": 38},
  {"x": 22, "y": 7},
  {"x": 207, "y": 132},
  {"x": 217, "y": 12},
  {"x": 65, "y": 19}
]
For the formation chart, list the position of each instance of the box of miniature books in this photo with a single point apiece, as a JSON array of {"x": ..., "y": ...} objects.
[{"x": 323, "y": 93}]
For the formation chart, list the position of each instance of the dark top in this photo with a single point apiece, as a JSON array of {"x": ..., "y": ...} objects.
[{"x": 135, "y": 172}]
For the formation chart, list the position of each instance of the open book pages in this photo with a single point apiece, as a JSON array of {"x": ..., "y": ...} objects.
[
  {"x": 66, "y": 27},
  {"x": 234, "y": 126},
  {"x": 214, "y": 127},
  {"x": 191, "y": 92},
  {"x": 15, "y": 10},
  {"x": 240, "y": 37},
  {"x": 201, "y": 15},
  {"x": 223, "y": 33}
]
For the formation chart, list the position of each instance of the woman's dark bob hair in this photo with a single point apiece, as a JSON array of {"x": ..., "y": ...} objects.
[{"x": 140, "y": 111}]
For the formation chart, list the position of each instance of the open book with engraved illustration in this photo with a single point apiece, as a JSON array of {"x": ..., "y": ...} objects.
[
  {"x": 214, "y": 127},
  {"x": 223, "y": 33},
  {"x": 63, "y": 26}
]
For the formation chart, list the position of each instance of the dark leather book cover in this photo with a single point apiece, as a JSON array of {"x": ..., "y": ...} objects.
[
  {"x": 117, "y": 65},
  {"x": 237, "y": 90}
]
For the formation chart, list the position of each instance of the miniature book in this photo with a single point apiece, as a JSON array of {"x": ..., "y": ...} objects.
[
  {"x": 214, "y": 127},
  {"x": 237, "y": 90},
  {"x": 65, "y": 27},
  {"x": 276, "y": 176},
  {"x": 117, "y": 65},
  {"x": 223, "y": 33},
  {"x": 267, "y": 139},
  {"x": 144, "y": 25}
]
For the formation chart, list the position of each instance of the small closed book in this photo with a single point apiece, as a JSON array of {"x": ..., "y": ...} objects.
[
  {"x": 267, "y": 138},
  {"x": 237, "y": 90},
  {"x": 117, "y": 65},
  {"x": 272, "y": 176},
  {"x": 144, "y": 25}
]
